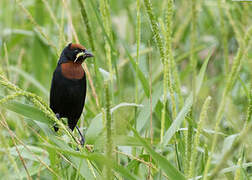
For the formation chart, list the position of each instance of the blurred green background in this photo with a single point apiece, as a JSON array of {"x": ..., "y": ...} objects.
[{"x": 127, "y": 58}]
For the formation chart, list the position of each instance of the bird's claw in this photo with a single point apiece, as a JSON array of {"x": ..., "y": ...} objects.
[
  {"x": 55, "y": 125},
  {"x": 82, "y": 141},
  {"x": 57, "y": 115}
]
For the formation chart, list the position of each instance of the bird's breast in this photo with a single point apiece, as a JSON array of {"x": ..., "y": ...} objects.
[{"x": 71, "y": 70}]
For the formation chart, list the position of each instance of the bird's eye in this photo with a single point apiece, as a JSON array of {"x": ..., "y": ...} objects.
[{"x": 76, "y": 50}]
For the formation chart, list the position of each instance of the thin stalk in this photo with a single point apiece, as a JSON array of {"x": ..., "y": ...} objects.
[
  {"x": 151, "y": 123},
  {"x": 184, "y": 157},
  {"x": 149, "y": 164},
  {"x": 18, "y": 152},
  {"x": 224, "y": 36},
  {"x": 104, "y": 9},
  {"x": 230, "y": 82},
  {"x": 25, "y": 146},
  {"x": 168, "y": 54},
  {"x": 62, "y": 40},
  {"x": 89, "y": 34},
  {"x": 166, "y": 76},
  {"x": 87, "y": 23},
  {"x": 177, "y": 84},
  {"x": 193, "y": 61},
  {"x": 19, "y": 61},
  {"x": 205, "y": 153},
  {"x": 6, "y": 147},
  {"x": 245, "y": 14},
  {"x": 231, "y": 151},
  {"x": 155, "y": 28},
  {"x": 189, "y": 142},
  {"x": 243, "y": 134},
  {"x": 46, "y": 141},
  {"x": 181, "y": 29},
  {"x": 138, "y": 39},
  {"x": 170, "y": 63},
  {"x": 233, "y": 24},
  {"x": 193, "y": 66},
  {"x": 150, "y": 85},
  {"x": 51, "y": 13},
  {"x": 6, "y": 59},
  {"x": 165, "y": 85},
  {"x": 238, "y": 170},
  {"x": 109, "y": 145},
  {"x": 203, "y": 116},
  {"x": 70, "y": 21},
  {"x": 249, "y": 114},
  {"x": 39, "y": 29},
  {"x": 92, "y": 86}
]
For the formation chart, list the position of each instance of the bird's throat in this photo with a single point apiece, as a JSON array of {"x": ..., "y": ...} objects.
[{"x": 71, "y": 70}]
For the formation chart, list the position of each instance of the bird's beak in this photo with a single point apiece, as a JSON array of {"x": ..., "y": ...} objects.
[
  {"x": 88, "y": 54},
  {"x": 85, "y": 55}
]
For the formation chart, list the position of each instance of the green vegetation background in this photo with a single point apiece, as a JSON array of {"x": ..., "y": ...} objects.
[{"x": 169, "y": 89}]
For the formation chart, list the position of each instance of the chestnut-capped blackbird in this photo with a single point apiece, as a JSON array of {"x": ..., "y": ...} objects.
[{"x": 68, "y": 87}]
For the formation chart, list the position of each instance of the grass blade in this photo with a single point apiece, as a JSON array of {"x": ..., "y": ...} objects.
[
  {"x": 164, "y": 164},
  {"x": 188, "y": 104}
]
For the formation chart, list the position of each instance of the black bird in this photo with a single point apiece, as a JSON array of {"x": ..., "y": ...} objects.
[{"x": 68, "y": 87}]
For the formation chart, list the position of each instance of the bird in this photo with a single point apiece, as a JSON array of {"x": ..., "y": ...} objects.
[{"x": 68, "y": 86}]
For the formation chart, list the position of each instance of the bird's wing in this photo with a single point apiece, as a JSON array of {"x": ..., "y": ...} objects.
[
  {"x": 56, "y": 92},
  {"x": 67, "y": 97}
]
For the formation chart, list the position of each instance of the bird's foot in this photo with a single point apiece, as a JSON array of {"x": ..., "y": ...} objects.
[
  {"x": 55, "y": 125},
  {"x": 82, "y": 140},
  {"x": 57, "y": 116}
]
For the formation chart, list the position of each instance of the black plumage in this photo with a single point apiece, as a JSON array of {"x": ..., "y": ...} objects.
[
  {"x": 67, "y": 97},
  {"x": 68, "y": 87}
]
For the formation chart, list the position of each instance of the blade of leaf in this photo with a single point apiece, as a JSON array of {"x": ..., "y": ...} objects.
[
  {"x": 43, "y": 155},
  {"x": 201, "y": 75},
  {"x": 144, "y": 114},
  {"x": 27, "y": 111},
  {"x": 95, "y": 9},
  {"x": 181, "y": 116},
  {"x": 96, "y": 124},
  {"x": 139, "y": 73},
  {"x": 164, "y": 164},
  {"x": 29, "y": 78},
  {"x": 98, "y": 158},
  {"x": 121, "y": 140}
]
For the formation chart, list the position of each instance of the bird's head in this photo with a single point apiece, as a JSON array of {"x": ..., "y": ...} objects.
[{"x": 75, "y": 53}]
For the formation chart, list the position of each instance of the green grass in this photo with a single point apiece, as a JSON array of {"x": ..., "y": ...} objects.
[{"x": 169, "y": 89}]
